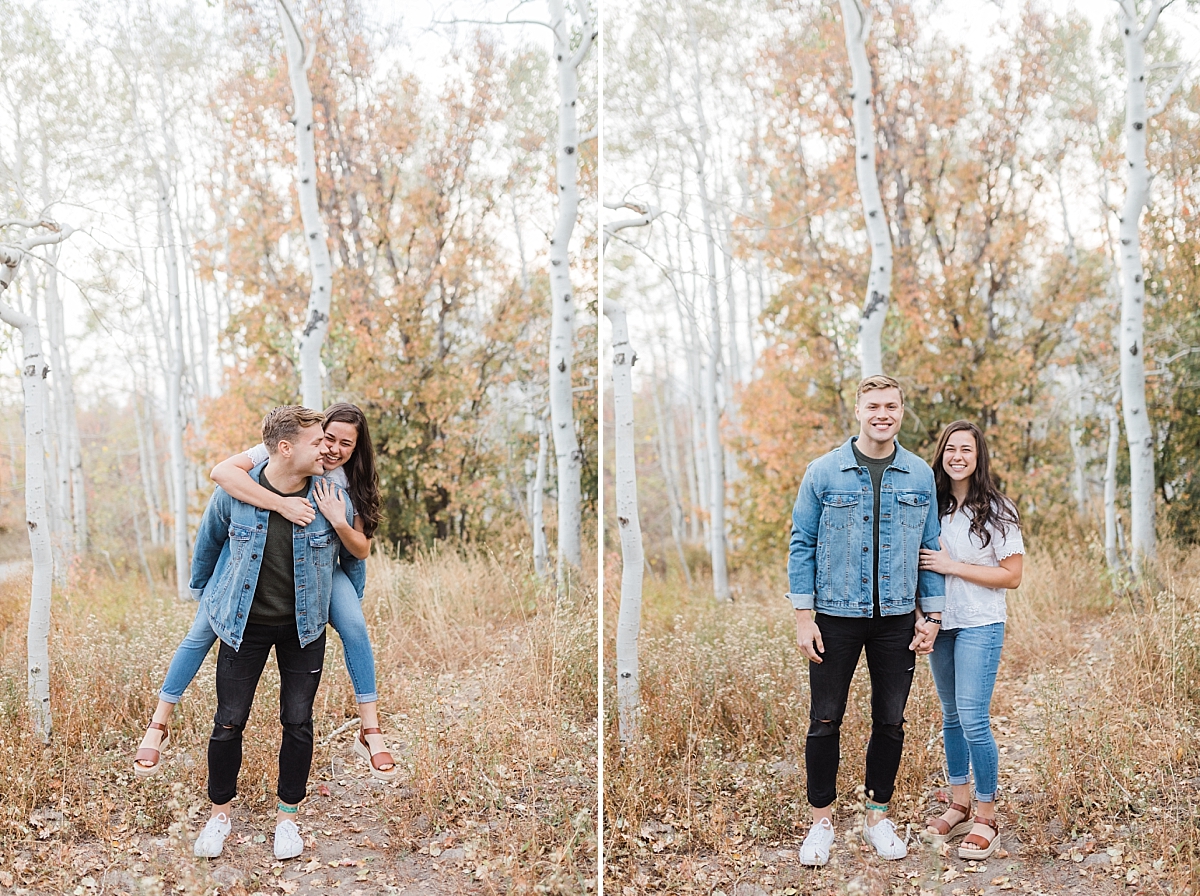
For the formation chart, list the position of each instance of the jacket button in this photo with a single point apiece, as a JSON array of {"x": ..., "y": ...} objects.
[
  {"x": 254, "y": 556},
  {"x": 866, "y": 519},
  {"x": 247, "y": 585},
  {"x": 260, "y": 525},
  {"x": 865, "y": 549},
  {"x": 864, "y": 580},
  {"x": 239, "y": 615}
]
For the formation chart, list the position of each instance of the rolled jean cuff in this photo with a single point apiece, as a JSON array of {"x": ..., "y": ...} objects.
[
  {"x": 801, "y": 601},
  {"x": 985, "y": 797},
  {"x": 957, "y": 780},
  {"x": 169, "y": 698},
  {"x": 372, "y": 697}
]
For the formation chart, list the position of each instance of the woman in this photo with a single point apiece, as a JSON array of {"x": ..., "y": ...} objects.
[
  {"x": 981, "y": 556},
  {"x": 350, "y": 464}
]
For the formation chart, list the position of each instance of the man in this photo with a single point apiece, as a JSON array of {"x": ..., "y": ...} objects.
[
  {"x": 264, "y": 582},
  {"x": 863, "y": 513}
]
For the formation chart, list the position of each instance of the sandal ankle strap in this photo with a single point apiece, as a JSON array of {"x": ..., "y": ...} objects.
[{"x": 987, "y": 822}]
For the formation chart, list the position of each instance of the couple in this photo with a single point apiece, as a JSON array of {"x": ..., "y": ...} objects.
[
  {"x": 269, "y": 570},
  {"x": 897, "y": 558}
]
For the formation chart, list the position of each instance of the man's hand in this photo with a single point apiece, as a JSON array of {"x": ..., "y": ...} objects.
[
  {"x": 297, "y": 510},
  {"x": 808, "y": 636},
  {"x": 924, "y": 634}
]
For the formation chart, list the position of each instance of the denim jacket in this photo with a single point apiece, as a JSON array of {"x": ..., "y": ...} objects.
[
  {"x": 830, "y": 562},
  {"x": 227, "y": 558}
]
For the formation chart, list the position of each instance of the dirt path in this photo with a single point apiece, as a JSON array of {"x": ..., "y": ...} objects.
[{"x": 1086, "y": 863}]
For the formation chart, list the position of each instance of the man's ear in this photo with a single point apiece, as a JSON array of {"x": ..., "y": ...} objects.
[{"x": 285, "y": 448}]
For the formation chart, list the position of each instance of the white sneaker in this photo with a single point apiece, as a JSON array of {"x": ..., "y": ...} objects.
[
  {"x": 288, "y": 843},
  {"x": 212, "y": 839},
  {"x": 815, "y": 849},
  {"x": 882, "y": 836}
]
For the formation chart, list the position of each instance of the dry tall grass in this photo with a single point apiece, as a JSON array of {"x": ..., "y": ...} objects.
[
  {"x": 487, "y": 691},
  {"x": 725, "y": 710}
]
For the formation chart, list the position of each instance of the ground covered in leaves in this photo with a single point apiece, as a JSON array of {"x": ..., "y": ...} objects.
[
  {"x": 488, "y": 702},
  {"x": 1093, "y": 713}
]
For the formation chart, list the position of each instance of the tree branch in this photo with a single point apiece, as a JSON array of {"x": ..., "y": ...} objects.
[
  {"x": 1152, "y": 19},
  {"x": 299, "y": 34},
  {"x": 1171, "y": 88},
  {"x": 645, "y": 215}
]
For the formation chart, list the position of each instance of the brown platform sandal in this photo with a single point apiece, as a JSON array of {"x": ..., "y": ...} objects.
[
  {"x": 151, "y": 755},
  {"x": 974, "y": 848},
  {"x": 942, "y": 830},
  {"x": 385, "y": 770}
]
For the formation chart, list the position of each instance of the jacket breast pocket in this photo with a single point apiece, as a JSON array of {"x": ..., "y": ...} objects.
[
  {"x": 321, "y": 547},
  {"x": 837, "y": 511},
  {"x": 914, "y": 509},
  {"x": 239, "y": 540}
]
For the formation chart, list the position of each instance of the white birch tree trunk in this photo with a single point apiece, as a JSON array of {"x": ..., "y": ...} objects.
[
  {"x": 856, "y": 19},
  {"x": 1138, "y": 433},
  {"x": 541, "y": 555},
  {"x": 33, "y": 382},
  {"x": 316, "y": 322},
  {"x": 175, "y": 416},
  {"x": 668, "y": 460},
  {"x": 568, "y": 458},
  {"x": 712, "y": 399},
  {"x": 1110, "y": 490},
  {"x": 629, "y": 525}
]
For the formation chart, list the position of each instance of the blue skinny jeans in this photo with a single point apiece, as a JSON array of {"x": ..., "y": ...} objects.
[
  {"x": 346, "y": 617},
  {"x": 964, "y": 664}
]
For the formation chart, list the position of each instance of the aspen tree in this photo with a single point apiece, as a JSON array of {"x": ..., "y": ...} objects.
[
  {"x": 1138, "y": 432},
  {"x": 33, "y": 382},
  {"x": 856, "y": 19},
  {"x": 316, "y": 321},
  {"x": 568, "y": 457}
]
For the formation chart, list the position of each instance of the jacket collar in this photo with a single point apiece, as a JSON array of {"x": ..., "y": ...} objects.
[{"x": 849, "y": 462}]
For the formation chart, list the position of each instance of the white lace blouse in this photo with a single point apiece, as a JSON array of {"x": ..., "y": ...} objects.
[{"x": 969, "y": 605}]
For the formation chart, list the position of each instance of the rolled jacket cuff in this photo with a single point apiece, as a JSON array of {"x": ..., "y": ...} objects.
[
  {"x": 934, "y": 603},
  {"x": 801, "y": 601},
  {"x": 196, "y": 593}
]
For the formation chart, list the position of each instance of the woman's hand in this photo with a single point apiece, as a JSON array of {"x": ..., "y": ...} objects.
[
  {"x": 937, "y": 561},
  {"x": 330, "y": 502}
]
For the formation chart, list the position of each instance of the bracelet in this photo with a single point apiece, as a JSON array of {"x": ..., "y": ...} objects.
[
  {"x": 934, "y": 621},
  {"x": 290, "y": 810}
]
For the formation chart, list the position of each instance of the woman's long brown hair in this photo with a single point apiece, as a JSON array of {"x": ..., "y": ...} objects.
[
  {"x": 360, "y": 469},
  {"x": 988, "y": 506}
]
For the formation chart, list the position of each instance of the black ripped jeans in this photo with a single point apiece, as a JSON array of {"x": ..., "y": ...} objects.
[
  {"x": 891, "y": 664},
  {"x": 238, "y": 672}
]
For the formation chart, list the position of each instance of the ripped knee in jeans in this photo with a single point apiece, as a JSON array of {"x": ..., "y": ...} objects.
[{"x": 823, "y": 727}]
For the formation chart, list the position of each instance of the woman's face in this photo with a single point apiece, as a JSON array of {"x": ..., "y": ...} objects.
[
  {"x": 340, "y": 439},
  {"x": 960, "y": 457}
]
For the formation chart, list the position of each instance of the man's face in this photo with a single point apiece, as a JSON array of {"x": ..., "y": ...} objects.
[
  {"x": 879, "y": 413},
  {"x": 307, "y": 450}
]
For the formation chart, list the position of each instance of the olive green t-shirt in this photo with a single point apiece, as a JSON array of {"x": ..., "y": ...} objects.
[
  {"x": 875, "y": 468},
  {"x": 275, "y": 595}
]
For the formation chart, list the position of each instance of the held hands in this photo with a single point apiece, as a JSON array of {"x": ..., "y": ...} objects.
[
  {"x": 937, "y": 561},
  {"x": 808, "y": 636},
  {"x": 297, "y": 510},
  {"x": 924, "y": 634},
  {"x": 330, "y": 501}
]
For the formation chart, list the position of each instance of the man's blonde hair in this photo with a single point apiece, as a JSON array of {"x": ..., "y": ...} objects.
[
  {"x": 284, "y": 424},
  {"x": 878, "y": 381}
]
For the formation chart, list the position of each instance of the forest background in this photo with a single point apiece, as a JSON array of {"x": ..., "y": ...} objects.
[
  {"x": 161, "y": 133},
  {"x": 1000, "y": 159}
]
